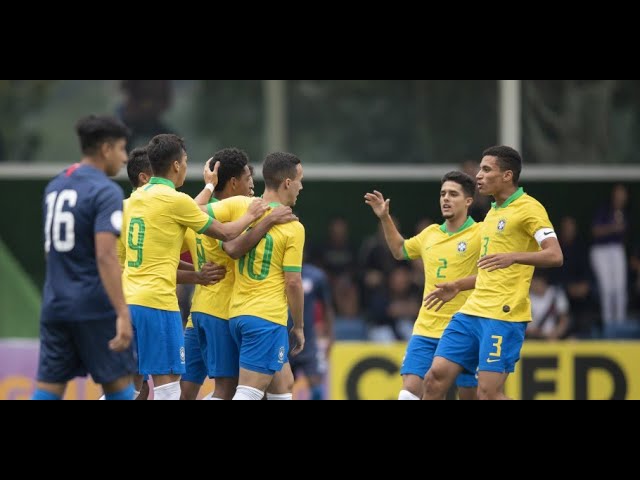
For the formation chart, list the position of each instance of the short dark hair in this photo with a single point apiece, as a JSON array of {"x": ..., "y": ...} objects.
[
  {"x": 508, "y": 159},
  {"x": 163, "y": 150},
  {"x": 277, "y": 167},
  {"x": 232, "y": 163},
  {"x": 138, "y": 163},
  {"x": 94, "y": 130},
  {"x": 467, "y": 183}
]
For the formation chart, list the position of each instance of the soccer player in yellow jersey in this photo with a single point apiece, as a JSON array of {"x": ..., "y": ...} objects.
[
  {"x": 210, "y": 349},
  {"x": 449, "y": 251},
  {"x": 156, "y": 220},
  {"x": 267, "y": 280},
  {"x": 488, "y": 331}
]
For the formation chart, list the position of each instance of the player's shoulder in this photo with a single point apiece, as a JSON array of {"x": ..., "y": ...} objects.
[
  {"x": 292, "y": 229},
  {"x": 434, "y": 228},
  {"x": 237, "y": 200},
  {"x": 531, "y": 203}
]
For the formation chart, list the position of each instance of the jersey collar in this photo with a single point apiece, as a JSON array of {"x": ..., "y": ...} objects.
[
  {"x": 213, "y": 200},
  {"x": 466, "y": 225},
  {"x": 161, "y": 181},
  {"x": 516, "y": 195}
]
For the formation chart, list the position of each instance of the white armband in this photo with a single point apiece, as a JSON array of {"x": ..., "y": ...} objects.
[
  {"x": 210, "y": 187},
  {"x": 544, "y": 233}
]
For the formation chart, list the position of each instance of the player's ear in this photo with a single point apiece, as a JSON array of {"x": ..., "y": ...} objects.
[{"x": 287, "y": 182}]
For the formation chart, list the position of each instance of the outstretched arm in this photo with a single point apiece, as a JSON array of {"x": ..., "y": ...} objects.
[
  {"x": 210, "y": 182},
  {"x": 228, "y": 231},
  {"x": 550, "y": 256},
  {"x": 380, "y": 207},
  {"x": 239, "y": 247}
]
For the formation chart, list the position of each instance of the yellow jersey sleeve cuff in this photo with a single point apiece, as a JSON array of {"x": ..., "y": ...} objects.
[
  {"x": 292, "y": 269},
  {"x": 206, "y": 226},
  {"x": 210, "y": 211},
  {"x": 406, "y": 254}
]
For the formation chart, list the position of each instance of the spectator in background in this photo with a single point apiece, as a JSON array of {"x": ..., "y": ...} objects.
[
  {"x": 608, "y": 258},
  {"x": 549, "y": 310},
  {"x": 376, "y": 262},
  {"x": 481, "y": 203},
  {"x": 393, "y": 311},
  {"x": 575, "y": 278},
  {"x": 338, "y": 255},
  {"x": 634, "y": 263},
  {"x": 145, "y": 101}
]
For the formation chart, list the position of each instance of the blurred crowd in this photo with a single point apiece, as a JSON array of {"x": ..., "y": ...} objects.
[{"x": 596, "y": 294}]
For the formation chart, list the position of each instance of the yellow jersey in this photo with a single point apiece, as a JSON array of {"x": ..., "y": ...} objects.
[
  {"x": 504, "y": 294},
  {"x": 447, "y": 256},
  {"x": 156, "y": 220},
  {"x": 214, "y": 299},
  {"x": 259, "y": 288}
]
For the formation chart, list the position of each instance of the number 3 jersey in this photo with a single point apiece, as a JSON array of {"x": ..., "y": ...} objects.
[
  {"x": 259, "y": 288},
  {"x": 447, "y": 257},
  {"x": 78, "y": 203}
]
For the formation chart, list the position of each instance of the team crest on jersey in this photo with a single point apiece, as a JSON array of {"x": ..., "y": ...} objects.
[
  {"x": 462, "y": 247},
  {"x": 182, "y": 356},
  {"x": 281, "y": 355},
  {"x": 501, "y": 225}
]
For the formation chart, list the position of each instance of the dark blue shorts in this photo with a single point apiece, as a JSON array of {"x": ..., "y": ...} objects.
[
  {"x": 263, "y": 345},
  {"x": 196, "y": 370},
  {"x": 75, "y": 349}
]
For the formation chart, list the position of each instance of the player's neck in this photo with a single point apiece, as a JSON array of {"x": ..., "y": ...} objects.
[
  {"x": 271, "y": 196},
  {"x": 503, "y": 196},
  {"x": 224, "y": 194},
  {"x": 94, "y": 162},
  {"x": 454, "y": 224}
]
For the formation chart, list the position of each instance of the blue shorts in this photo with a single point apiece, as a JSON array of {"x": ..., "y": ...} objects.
[
  {"x": 419, "y": 357},
  {"x": 477, "y": 342},
  {"x": 219, "y": 350},
  {"x": 196, "y": 370},
  {"x": 263, "y": 345},
  {"x": 160, "y": 341},
  {"x": 75, "y": 349}
]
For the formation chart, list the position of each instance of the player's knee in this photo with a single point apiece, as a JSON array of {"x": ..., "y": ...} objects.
[{"x": 488, "y": 392}]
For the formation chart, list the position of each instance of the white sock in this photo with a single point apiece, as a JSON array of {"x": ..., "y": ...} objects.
[
  {"x": 208, "y": 396},
  {"x": 136, "y": 394},
  {"x": 216, "y": 398},
  {"x": 170, "y": 391},
  {"x": 407, "y": 395},
  {"x": 248, "y": 393},
  {"x": 102, "y": 398},
  {"x": 279, "y": 396}
]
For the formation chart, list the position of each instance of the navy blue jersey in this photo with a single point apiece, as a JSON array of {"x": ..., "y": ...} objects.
[
  {"x": 316, "y": 289},
  {"x": 78, "y": 203}
]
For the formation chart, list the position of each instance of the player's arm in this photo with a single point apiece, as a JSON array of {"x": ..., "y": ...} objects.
[
  {"x": 380, "y": 207},
  {"x": 210, "y": 274},
  {"x": 445, "y": 292},
  {"x": 549, "y": 256},
  {"x": 111, "y": 275},
  {"x": 228, "y": 231},
  {"x": 210, "y": 182},
  {"x": 239, "y": 247},
  {"x": 295, "y": 299}
]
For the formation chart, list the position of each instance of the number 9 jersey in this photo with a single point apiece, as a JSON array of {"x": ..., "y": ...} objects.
[{"x": 78, "y": 203}]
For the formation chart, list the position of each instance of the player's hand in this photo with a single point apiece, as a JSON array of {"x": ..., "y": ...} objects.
[
  {"x": 211, "y": 274},
  {"x": 496, "y": 261},
  {"x": 124, "y": 333},
  {"x": 211, "y": 175},
  {"x": 296, "y": 339},
  {"x": 444, "y": 292},
  {"x": 257, "y": 208},
  {"x": 378, "y": 204},
  {"x": 281, "y": 215}
]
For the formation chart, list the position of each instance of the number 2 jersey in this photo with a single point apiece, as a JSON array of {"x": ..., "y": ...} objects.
[
  {"x": 259, "y": 288},
  {"x": 447, "y": 257},
  {"x": 78, "y": 203}
]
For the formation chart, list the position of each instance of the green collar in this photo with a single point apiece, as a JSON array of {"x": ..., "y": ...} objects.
[
  {"x": 466, "y": 225},
  {"x": 162, "y": 181},
  {"x": 213, "y": 200},
  {"x": 516, "y": 195},
  {"x": 274, "y": 204}
]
